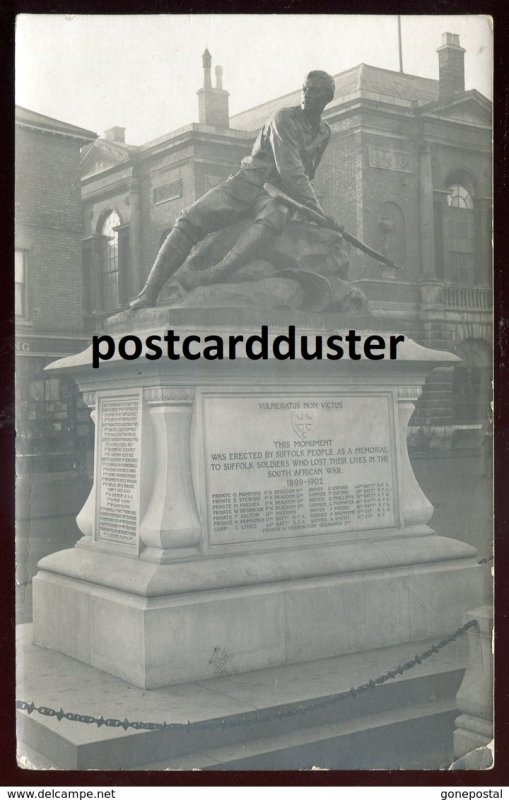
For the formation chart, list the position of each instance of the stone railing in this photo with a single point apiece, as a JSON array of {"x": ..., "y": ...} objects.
[
  {"x": 467, "y": 297},
  {"x": 448, "y": 296}
]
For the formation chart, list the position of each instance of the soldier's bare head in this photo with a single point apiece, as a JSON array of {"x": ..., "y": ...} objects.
[{"x": 317, "y": 91}]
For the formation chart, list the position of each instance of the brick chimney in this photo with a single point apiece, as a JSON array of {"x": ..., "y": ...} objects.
[
  {"x": 213, "y": 102},
  {"x": 115, "y": 134},
  {"x": 451, "y": 67}
]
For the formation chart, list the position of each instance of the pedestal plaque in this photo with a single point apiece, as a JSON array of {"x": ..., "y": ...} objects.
[{"x": 284, "y": 465}]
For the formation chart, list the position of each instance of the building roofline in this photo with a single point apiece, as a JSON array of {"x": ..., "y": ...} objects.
[
  {"x": 28, "y": 118},
  {"x": 470, "y": 94},
  {"x": 288, "y": 94},
  {"x": 357, "y": 67},
  {"x": 436, "y": 106},
  {"x": 193, "y": 128}
]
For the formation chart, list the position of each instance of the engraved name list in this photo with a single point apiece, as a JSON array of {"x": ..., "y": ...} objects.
[{"x": 120, "y": 421}]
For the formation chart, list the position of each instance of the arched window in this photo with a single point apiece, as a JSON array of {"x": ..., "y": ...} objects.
[
  {"x": 460, "y": 235},
  {"x": 459, "y": 197},
  {"x": 110, "y": 261}
]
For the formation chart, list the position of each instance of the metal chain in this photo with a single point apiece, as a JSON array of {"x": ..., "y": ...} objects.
[{"x": 282, "y": 713}]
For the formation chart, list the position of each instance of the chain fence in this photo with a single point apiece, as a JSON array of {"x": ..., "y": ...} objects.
[{"x": 302, "y": 708}]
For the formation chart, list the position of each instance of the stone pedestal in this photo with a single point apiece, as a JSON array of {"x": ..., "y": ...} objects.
[{"x": 248, "y": 514}]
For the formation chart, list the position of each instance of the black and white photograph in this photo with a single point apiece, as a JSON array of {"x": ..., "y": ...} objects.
[{"x": 254, "y": 414}]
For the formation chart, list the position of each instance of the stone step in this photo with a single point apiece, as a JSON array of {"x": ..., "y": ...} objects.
[
  {"x": 419, "y": 737},
  {"x": 278, "y": 715}
]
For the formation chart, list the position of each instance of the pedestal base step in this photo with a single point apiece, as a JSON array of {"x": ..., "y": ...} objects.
[
  {"x": 419, "y": 737},
  {"x": 246, "y": 721},
  {"x": 160, "y": 625}
]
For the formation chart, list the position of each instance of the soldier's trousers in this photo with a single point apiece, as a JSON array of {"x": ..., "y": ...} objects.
[{"x": 241, "y": 196}]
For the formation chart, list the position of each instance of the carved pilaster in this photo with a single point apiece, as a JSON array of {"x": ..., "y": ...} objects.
[
  {"x": 426, "y": 221},
  {"x": 171, "y": 521},
  {"x": 86, "y": 517},
  {"x": 89, "y": 398},
  {"x": 135, "y": 236},
  {"x": 409, "y": 393},
  {"x": 163, "y": 395},
  {"x": 415, "y": 506}
]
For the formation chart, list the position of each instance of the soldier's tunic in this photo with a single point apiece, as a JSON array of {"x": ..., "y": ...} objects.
[{"x": 286, "y": 153}]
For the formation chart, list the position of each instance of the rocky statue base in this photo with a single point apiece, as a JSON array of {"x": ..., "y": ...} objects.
[{"x": 247, "y": 514}]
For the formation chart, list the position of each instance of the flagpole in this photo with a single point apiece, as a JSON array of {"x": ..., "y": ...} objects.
[{"x": 400, "y": 45}]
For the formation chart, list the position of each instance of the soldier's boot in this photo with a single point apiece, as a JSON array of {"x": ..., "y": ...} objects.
[
  {"x": 172, "y": 254},
  {"x": 253, "y": 242}
]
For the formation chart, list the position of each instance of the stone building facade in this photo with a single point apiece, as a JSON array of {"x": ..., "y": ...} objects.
[
  {"x": 53, "y": 429},
  {"x": 48, "y": 275},
  {"x": 408, "y": 170}
]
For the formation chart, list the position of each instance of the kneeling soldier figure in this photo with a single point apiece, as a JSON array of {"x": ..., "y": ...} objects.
[{"x": 286, "y": 154}]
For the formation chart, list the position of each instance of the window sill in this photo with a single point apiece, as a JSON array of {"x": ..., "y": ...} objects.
[{"x": 167, "y": 200}]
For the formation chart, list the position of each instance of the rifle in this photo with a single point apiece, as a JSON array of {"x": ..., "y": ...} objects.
[{"x": 326, "y": 222}]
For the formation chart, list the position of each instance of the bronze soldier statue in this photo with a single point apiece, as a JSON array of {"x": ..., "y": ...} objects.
[{"x": 286, "y": 154}]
